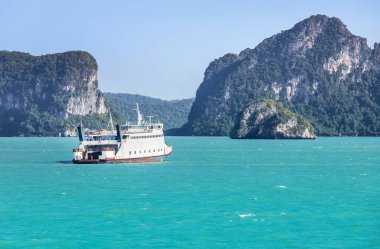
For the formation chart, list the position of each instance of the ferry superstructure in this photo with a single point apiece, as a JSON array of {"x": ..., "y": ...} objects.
[{"x": 129, "y": 143}]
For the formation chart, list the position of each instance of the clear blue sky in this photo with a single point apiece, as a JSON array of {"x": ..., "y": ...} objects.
[{"x": 161, "y": 48}]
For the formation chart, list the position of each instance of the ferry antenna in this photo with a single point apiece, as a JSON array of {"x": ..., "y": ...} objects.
[{"x": 150, "y": 118}]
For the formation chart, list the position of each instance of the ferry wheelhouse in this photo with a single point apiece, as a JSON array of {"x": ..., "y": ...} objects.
[{"x": 129, "y": 143}]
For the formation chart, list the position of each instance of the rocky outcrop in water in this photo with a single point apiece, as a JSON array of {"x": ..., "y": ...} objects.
[
  {"x": 317, "y": 69},
  {"x": 267, "y": 119},
  {"x": 38, "y": 92}
]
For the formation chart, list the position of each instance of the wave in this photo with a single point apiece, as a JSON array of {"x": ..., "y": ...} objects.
[
  {"x": 246, "y": 215},
  {"x": 280, "y": 186}
]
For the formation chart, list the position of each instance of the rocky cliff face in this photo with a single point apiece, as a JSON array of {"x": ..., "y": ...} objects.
[
  {"x": 45, "y": 87},
  {"x": 317, "y": 69},
  {"x": 268, "y": 119}
]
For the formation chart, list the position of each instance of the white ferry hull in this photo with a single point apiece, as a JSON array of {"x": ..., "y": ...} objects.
[
  {"x": 129, "y": 160},
  {"x": 143, "y": 142}
]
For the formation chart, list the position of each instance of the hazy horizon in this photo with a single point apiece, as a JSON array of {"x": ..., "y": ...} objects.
[{"x": 161, "y": 49}]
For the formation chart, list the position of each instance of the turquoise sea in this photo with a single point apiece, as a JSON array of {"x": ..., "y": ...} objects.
[{"x": 211, "y": 193}]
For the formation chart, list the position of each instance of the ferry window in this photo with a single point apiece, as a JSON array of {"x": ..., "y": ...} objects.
[
  {"x": 130, "y": 152},
  {"x": 154, "y": 150},
  {"x": 135, "y": 152},
  {"x": 140, "y": 151},
  {"x": 149, "y": 151}
]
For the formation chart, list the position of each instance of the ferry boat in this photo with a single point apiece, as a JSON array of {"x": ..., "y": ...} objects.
[{"x": 129, "y": 143}]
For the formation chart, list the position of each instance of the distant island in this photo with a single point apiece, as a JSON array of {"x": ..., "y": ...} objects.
[
  {"x": 51, "y": 94},
  {"x": 173, "y": 113},
  {"x": 47, "y": 95},
  {"x": 318, "y": 71}
]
